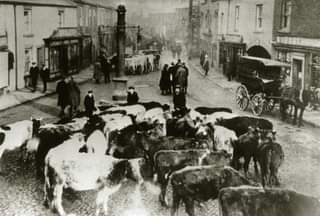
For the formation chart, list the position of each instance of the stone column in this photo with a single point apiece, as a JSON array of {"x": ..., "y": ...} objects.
[{"x": 120, "y": 82}]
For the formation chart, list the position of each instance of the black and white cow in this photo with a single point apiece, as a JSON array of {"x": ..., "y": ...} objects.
[
  {"x": 253, "y": 201},
  {"x": 201, "y": 183},
  {"x": 17, "y": 134},
  {"x": 168, "y": 161},
  {"x": 82, "y": 172}
]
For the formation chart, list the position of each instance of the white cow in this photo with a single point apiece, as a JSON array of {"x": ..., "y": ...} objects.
[{"x": 218, "y": 115}]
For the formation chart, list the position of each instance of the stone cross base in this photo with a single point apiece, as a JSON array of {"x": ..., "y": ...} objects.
[{"x": 120, "y": 89}]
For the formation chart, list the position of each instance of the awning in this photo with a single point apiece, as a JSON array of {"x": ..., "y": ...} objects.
[
  {"x": 267, "y": 62},
  {"x": 65, "y": 34}
]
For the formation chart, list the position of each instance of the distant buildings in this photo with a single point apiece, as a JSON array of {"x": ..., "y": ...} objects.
[{"x": 62, "y": 34}]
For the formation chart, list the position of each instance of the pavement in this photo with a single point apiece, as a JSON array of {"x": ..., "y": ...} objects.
[
  {"x": 311, "y": 117},
  {"x": 21, "y": 96}
]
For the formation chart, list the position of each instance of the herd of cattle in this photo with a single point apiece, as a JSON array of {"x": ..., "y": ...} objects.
[{"x": 193, "y": 157}]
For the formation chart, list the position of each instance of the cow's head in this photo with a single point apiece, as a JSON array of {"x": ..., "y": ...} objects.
[
  {"x": 205, "y": 131},
  {"x": 266, "y": 136}
]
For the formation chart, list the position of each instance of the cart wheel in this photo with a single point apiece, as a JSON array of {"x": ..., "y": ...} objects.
[
  {"x": 242, "y": 97},
  {"x": 269, "y": 105},
  {"x": 257, "y": 104}
]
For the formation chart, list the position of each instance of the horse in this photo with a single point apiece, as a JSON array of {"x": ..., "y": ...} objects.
[{"x": 290, "y": 97}]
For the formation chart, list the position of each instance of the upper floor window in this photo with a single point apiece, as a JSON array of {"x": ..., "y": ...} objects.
[
  {"x": 236, "y": 18},
  {"x": 61, "y": 18},
  {"x": 285, "y": 14},
  {"x": 27, "y": 21},
  {"x": 259, "y": 10}
]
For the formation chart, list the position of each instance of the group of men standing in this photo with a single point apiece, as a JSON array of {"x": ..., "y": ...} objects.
[
  {"x": 34, "y": 73},
  {"x": 174, "y": 79}
]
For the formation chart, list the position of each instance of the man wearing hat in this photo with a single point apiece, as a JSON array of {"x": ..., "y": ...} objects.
[
  {"x": 179, "y": 100},
  {"x": 89, "y": 104},
  {"x": 34, "y": 73}
]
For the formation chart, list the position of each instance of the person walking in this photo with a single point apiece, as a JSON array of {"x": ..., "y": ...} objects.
[
  {"x": 107, "y": 71},
  {"x": 34, "y": 73},
  {"x": 89, "y": 104},
  {"x": 132, "y": 97},
  {"x": 74, "y": 96},
  {"x": 228, "y": 68},
  {"x": 63, "y": 95},
  {"x": 206, "y": 65},
  {"x": 202, "y": 58},
  {"x": 44, "y": 74},
  {"x": 171, "y": 72}
]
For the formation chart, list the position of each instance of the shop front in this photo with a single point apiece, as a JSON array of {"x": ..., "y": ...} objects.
[
  {"x": 230, "y": 51},
  {"x": 304, "y": 58},
  {"x": 63, "y": 51}
]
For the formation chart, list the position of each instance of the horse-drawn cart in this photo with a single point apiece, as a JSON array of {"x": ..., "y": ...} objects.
[{"x": 261, "y": 81}]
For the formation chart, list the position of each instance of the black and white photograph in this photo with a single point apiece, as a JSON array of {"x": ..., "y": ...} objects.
[{"x": 159, "y": 108}]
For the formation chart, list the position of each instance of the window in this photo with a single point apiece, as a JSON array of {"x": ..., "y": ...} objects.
[
  {"x": 27, "y": 21},
  {"x": 285, "y": 14},
  {"x": 61, "y": 18},
  {"x": 259, "y": 8},
  {"x": 236, "y": 17}
]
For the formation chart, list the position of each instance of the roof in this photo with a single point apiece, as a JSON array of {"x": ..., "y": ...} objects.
[
  {"x": 65, "y": 33},
  {"x": 100, "y": 3},
  {"x": 63, "y": 3},
  {"x": 267, "y": 62}
]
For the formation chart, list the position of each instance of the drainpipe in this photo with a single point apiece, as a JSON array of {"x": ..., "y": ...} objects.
[
  {"x": 228, "y": 16},
  {"x": 16, "y": 45}
]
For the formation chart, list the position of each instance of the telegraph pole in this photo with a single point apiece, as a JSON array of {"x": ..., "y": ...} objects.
[{"x": 121, "y": 39}]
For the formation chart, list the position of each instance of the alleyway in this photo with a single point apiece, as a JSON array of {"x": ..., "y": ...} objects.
[{"x": 21, "y": 194}]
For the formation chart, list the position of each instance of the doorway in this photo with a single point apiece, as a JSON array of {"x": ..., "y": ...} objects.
[{"x": 297, "y": 73}]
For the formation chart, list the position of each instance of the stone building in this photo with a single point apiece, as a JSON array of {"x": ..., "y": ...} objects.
[{"x": 297, "y": 40}]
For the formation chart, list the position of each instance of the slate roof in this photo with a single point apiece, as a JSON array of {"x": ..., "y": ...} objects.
[
  {"x": 64, "y": 3},
  {"x": 100, "y": 3}
]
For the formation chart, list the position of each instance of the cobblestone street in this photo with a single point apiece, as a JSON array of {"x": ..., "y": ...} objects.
[{"x": 22, "y": 194}]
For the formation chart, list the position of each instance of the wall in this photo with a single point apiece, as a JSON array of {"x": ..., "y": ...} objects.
[
  {"x": 304, "y": 18},
  {"x": 247, "y": 22}
]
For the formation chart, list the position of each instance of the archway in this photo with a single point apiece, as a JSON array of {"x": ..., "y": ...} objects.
[{"x": 259, "y": 51}]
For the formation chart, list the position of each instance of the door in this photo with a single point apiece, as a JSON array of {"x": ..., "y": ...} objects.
[
  {"x": 4, "y": 71},
  {"x": 41, "y": 57},
  {"x": 297, "y": 73},
  {"x": 64, "y": 60}
]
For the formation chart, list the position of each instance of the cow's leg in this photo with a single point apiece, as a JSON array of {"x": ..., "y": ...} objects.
[
  {"x": 57, "y": 199},
  {"x": 163, "y": 187},
  {"x": 246, "y": 165},
  {"x": 175, "y": 203},
  {"x": 189, "y": 203},
  {"x": 256, "y": 169}
]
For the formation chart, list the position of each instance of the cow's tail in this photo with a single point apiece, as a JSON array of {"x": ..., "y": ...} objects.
[{"x": 168, "y": 199}]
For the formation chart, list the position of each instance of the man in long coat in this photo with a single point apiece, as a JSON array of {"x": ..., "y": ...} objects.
[
  {"x": 34, "y": 73},
  {"x": 74, "y": 95},
  {"x": 63, "y": 95}
]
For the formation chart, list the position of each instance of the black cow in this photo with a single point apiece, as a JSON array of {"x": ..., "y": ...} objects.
[
  {"x": 150, "y": 105},
  {"x": 201, "y": 183},
  {"x": 168, "y": 161},
  {"x": 125, "y": 144},
  {"x": 251, "y": 201},
  {"x": 211, "y": 110},
  {"x": 181, "y": 127},
  {"x": 241, "y": 124}
]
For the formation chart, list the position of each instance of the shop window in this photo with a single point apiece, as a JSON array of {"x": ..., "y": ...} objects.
[
  {"x": 315, "y": 75},
  {"x": 27, "y": 21},
  {"x": 286, "y": 7},
  {"x": 259, "y": 20}
]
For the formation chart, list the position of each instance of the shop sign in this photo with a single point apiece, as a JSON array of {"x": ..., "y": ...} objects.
[{"x": 310, "y": 42}]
